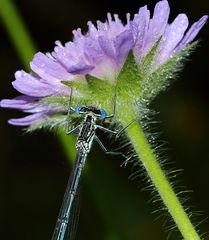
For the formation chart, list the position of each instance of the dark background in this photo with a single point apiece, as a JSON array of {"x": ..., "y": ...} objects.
[{"x": 34, "y": 170}]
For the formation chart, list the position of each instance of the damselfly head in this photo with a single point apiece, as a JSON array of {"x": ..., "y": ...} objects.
[{"x": 99, "y": 113}]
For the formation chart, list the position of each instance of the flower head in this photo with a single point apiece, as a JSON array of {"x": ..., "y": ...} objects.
[{"x": 135, "y": 59}]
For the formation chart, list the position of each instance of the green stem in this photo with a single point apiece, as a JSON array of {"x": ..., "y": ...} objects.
[
  {"x": 25, "y": 47},
  {"x": 156, "y": 174},
  {"x": 17, "y": 31}
]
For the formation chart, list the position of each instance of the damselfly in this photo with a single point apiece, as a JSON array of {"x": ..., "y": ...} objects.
[{"x": 87, "y": 133}]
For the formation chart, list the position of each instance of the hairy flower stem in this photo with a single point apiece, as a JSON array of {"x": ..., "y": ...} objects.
[{"x": 159, "y": 180}]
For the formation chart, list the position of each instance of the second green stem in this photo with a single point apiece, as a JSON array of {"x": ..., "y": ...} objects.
[{"x": 159, "y": 180}]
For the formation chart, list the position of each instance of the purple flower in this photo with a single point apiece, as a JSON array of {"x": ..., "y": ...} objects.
[{"x": 101, "y": 52}]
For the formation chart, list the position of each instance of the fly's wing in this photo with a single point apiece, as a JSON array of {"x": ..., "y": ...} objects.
[{"x": 73, "y": 221}]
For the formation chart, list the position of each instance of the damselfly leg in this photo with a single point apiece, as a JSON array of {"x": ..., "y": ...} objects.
[
  {"x": 105, "y": 149},
  {"x": 68, "y": 132},
  {"x": 70, "y": 109}
]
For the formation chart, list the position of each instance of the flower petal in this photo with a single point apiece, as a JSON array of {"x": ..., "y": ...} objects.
[
  {"x": 24, "y": 103},
  {"x": 31, "y": 86},
  {"x": 19, "y": 103},
  {"x": 80, "y": 68},
  {"x": 107, "y": 47},
  {"x": 172, "y": 36},
  {"x": 70, "y": 55},
  {"x": 123, "y": 44},
  {"x": 37, "y": 87},
  {"x": 28, "y": 120},
  {"x": 139, "y": 29},
  {"x": 192, "y": 33},
  {"x": 93, "y": 51},
  {"x": 48, "y": 68},
  {"x": 157, "y": 25}
]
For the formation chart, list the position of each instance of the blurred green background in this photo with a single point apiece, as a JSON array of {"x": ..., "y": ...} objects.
[{"x": 34, "y": 169}]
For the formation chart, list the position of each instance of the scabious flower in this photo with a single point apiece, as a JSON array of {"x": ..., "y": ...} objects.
[{"x": 136, "y": 59}]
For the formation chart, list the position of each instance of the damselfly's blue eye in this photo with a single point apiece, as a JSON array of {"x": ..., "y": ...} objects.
[
  {"x": 103, "y": 113},
  {"x": 77, "y": 109}
]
